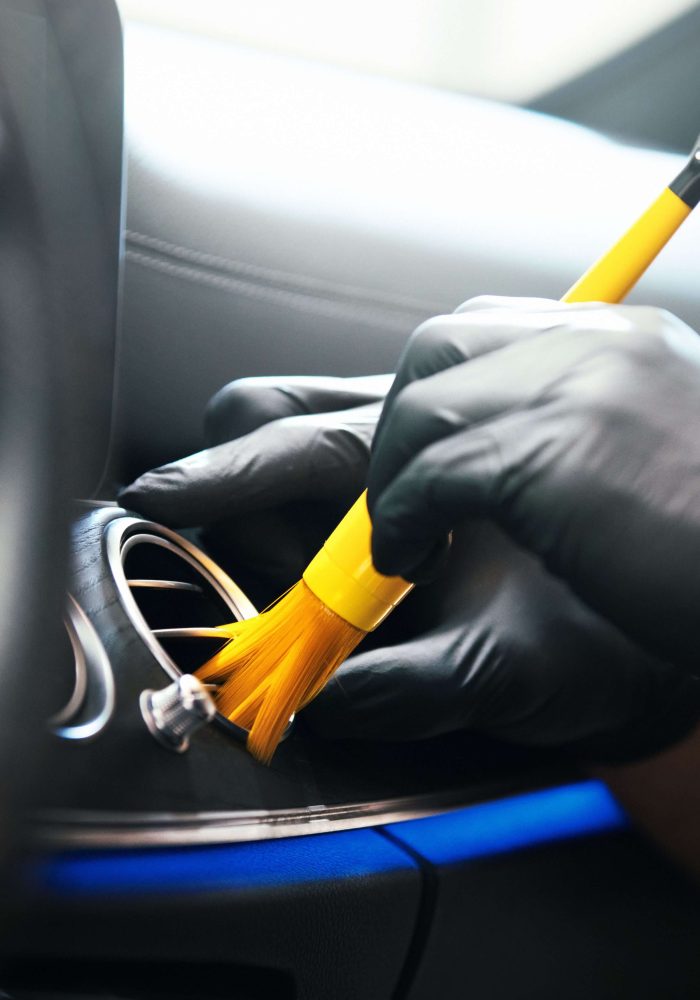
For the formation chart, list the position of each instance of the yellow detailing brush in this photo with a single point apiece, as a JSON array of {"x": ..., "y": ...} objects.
[{"x": 277, "y": 662}]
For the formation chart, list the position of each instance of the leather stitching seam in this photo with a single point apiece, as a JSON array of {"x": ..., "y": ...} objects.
[
  {"x": 295, "y": 300},
  {"x": 298, "y": 282}
]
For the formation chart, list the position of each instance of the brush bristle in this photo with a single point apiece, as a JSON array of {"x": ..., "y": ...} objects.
[{"x": 276, "y": 663}]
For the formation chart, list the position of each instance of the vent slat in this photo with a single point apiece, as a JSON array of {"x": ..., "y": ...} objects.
[
  {"x": 165, "y": 585},
  {"x": 195, "y": 632}
]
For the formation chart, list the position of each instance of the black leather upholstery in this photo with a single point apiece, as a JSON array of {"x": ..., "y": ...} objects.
[{"x": 286, "y": 217}]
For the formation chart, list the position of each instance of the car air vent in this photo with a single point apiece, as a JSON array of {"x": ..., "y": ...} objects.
[{"x": 174, "y": 595}]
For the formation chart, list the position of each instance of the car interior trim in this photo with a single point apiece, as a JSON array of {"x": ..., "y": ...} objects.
[
  {"x": 484, "y": 829},
  {"x": 92, "y": 701}
]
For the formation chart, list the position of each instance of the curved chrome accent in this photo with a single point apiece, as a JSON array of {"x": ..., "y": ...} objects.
[
  {"x": 165, "y": 585},
  {"x": 91, "y": 703},
  {"x": 80, "y": 686},
  {"x": 83, "y": 828},
  {"x": 193, "y": 632}
]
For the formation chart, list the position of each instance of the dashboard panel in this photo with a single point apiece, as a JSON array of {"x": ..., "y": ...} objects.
[{"x": 275, "y": 242}]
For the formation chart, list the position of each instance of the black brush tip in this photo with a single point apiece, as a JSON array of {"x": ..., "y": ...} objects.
[{"x": 687, "y": 184}]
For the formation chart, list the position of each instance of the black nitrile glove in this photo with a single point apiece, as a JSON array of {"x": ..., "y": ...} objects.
[
  {"x": 577, "y": 430},
  {"x": 497, "y": 644},
  {"x": 288, "y": 456}
]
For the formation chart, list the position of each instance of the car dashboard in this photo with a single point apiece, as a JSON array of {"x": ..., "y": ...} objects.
[{"x": 148, "y": 866}]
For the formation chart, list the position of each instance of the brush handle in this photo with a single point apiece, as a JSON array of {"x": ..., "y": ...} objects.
[
  {"x": 342, "y": 575},
  {"x": 618, "y": 270}
]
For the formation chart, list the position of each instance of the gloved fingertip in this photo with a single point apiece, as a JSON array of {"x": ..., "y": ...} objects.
[
  {"x": 395, "y": 554},
  {"x": 241, "y": 407},
  {"x": 434, "y": 563},
  {"x": 387, "y": 556},
  {"x": 130, "y": 496},
  {"x": 141, "y": 497}
]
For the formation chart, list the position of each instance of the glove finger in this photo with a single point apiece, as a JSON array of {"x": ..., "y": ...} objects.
[
  {"x": 519, "y": 303},
  {"x": 525, "y": 668},
  {"x": 321, "y": 457},
  {"x": 477, "y": 327},
  {"x": 248, "y": 403},
  {"x": 266, "y": 551},
  {"x": 512, "y": 379},
  {"x": 481, "y": 472},
  {"x": 453, "y": 479}
]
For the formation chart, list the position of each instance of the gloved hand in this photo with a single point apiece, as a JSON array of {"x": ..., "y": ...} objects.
[
  {"x": 497, "y": 645},
  {"x": 577, "y": 430},
  {"x": 287, "y": 457}
]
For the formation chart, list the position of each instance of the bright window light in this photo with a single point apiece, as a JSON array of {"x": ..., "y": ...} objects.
[{"x": 511, "y": 50}]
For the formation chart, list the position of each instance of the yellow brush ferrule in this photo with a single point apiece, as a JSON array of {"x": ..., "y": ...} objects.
[
  {"x": 343, "y": 576},
  {"x": 611, "y": 278}
]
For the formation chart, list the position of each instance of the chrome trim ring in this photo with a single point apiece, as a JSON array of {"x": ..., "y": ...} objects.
[
  {"x": 91, "y": 703},
  {"x": 80, "y": 686}
]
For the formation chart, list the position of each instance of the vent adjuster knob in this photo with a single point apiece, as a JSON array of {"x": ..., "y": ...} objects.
[{"x": 173, "y": 714}]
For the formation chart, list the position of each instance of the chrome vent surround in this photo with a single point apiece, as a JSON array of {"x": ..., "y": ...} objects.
[
  {"x": 91, "y": 702},
  {"x": 174, "y": 596}
]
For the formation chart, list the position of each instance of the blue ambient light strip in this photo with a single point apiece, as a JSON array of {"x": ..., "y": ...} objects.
[
  {"x": 478, "y": 831},
  {"x": 512, "y": 824},
  {"x": 220, "y": 868}
]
